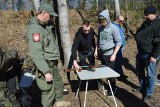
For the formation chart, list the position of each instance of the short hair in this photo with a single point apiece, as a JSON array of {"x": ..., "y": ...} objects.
[
  {"x": 118, "y": 17},
  {"x": 86, "y": 22}
]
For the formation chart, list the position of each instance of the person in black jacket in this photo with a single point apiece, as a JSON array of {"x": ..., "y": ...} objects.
[
  {"x": 84, "y": 43},
  {"x": 148, "y": 45}
]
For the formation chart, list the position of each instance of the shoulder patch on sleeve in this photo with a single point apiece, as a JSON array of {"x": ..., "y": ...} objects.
[{"x": 36, "y": 37}]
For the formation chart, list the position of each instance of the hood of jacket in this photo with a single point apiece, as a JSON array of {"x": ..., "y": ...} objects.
[{"x": 105, "y": 13}]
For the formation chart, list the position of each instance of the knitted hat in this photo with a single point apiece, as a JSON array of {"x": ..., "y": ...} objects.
[{"x": 150, "y": 10}]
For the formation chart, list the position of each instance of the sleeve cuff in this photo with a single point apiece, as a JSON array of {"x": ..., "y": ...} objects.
[{"x": 46, "y": 72}]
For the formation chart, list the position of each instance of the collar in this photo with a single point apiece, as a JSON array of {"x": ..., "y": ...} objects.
[
  {"x": 118, "y": 24},
  {"x": 40, "y": 22}
]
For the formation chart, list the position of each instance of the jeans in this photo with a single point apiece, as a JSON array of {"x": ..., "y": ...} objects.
[
  {"x": 147, "y": 83},
  {"x": 118, "y": 62}
]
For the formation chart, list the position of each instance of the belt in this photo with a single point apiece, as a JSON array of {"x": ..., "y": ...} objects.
[
  {"x": 100, "y": 50},
  {"x": 52, "y": 62}
]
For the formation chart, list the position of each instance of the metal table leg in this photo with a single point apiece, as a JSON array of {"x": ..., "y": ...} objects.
[
  {"x": 78, "y": 90},
  {"x": 86, "y": 94},
  {"x": 112, "y": 93}
]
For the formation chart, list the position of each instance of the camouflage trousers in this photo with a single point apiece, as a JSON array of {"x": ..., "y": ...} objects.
[{"x": 8, "y": 100}]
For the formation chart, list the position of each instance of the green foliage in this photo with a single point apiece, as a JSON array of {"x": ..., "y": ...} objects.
[{"x": 138, "y": 15}]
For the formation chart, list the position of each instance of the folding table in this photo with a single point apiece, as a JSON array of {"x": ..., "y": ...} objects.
[{"x": 99, "y": 73}]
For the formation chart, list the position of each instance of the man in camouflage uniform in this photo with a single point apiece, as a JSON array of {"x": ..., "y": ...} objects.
[
  {"x": 44, "y": 52},
  {"x": 7, "y": 79}
]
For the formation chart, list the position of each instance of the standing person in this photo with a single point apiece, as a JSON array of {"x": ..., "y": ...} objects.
[
  {"x": 148, "y": 45},
  {"x": 44, "y": 51},
  {"x": 109, "y": 42},
  {"x": 84, "y": 43},
  {"x": 119, "y": 58}
]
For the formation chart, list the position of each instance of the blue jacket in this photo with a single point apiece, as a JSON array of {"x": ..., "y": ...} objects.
[{"x": 121, "y": 31}]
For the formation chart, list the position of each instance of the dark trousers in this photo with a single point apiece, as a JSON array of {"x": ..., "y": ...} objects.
[
  {"x": 118, "y": 62},
  {"x": 105, "y": 60},
  {"x": 83, "y": 58}
]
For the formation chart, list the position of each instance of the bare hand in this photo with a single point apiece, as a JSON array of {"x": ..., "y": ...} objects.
[
  {"x": 48, "y": 77},
  {"x": 113, "y": 57},
  {"x": 96, "y": 54},
  {"x": 77, "y": 67},
  {"x": 153, "y": 59}
]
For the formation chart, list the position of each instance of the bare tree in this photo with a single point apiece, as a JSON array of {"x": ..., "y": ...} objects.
[
  {"x": 117, "y": 8},
  {"x": 82, "y": 4},
  {"x": 64, "y": 30},
  {"x": 158, "y": 2},
  {"x": 97, "y": 6},
  {"x": 36, "y": 4}
]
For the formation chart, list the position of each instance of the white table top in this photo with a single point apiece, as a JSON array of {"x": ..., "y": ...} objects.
[{"x": 99, "y": 73}]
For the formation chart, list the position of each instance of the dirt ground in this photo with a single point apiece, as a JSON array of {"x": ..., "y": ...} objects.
[{"x": 12, "y": 35}]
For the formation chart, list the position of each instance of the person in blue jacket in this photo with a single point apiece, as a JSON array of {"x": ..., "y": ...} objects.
[{"x": 119, "y": 58}]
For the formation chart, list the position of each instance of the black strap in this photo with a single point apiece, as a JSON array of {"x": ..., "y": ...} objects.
[{"x": 106, "y": 50}]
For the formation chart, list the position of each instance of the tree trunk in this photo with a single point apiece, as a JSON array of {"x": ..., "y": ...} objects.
[
  {"x": 126, "y": 18},
  {"x": 36, "y": 4},
  {"x": 158, "y": 6},
  {"x": 117, "y": 8},
  {"x": 97, "y": 6},
  {"x": 64, "y": 30},
  {"x": 10, "y": 4},
  {"x": 80, "y": 4}
]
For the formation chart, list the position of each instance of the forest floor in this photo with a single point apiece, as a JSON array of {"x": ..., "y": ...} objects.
[{"x": 12, "y": 35}]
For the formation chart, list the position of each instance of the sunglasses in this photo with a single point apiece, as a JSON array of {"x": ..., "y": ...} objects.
[{"x": 121, "y": 21}]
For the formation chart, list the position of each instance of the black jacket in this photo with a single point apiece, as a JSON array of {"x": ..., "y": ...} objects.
[
  {"x": 148, "y": 37},
  {"x": 83, "y": 43}
]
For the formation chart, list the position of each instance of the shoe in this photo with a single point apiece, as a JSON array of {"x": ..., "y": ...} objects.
[
  {"x": 147, "y": 98},
  {"x": 65, "y": 92},
  {"x": 63, "y": 104},
  {"x": 157, "y": 82},
  {"x": 136, "y": 90},
  {"x": 110, "y": 93}
]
